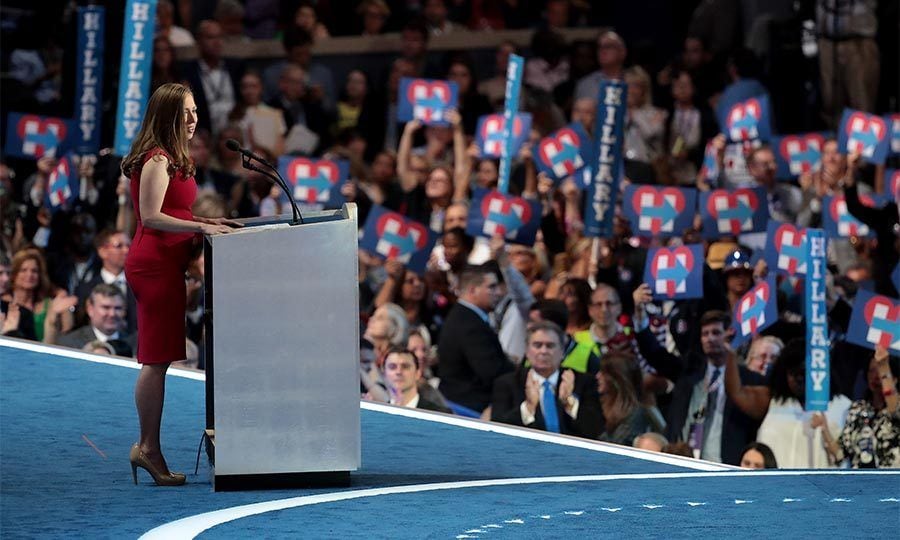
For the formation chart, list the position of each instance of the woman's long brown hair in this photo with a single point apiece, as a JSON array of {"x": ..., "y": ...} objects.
[
  {"x": 44, "y": 287},
  {"x": 163, "y": 127},
  {"x": 623, "y": 392}
]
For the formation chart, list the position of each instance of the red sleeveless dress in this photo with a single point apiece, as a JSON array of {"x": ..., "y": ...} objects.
[{"x": 155, "y": 271}]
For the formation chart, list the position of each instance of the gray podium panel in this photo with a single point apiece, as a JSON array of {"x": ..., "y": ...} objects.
[{"x": 285, "y": 348}]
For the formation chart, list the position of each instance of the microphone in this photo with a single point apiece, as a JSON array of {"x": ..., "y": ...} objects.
[
  {"x": 234, "y": 146},
  {"x": 276, "y": 178}
]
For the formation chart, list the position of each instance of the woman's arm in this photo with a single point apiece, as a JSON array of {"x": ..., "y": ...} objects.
[
  {"x": 407, "y": 177},
  {"x": 60, "y": 316},
  {"x": 462, "y": 163},
  {"x": 753, "y": 400},
  {"x": 154, "y": 182}
]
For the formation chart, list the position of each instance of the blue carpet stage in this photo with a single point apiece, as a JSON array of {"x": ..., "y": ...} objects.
[{"x": 67, "y": 421}]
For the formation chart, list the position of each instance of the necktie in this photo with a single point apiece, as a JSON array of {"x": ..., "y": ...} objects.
[
  {"x": 712, "y": 397},
  {"x": 551, "y": 418}
]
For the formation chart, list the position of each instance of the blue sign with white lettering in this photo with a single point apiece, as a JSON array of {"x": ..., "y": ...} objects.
[
  {"x": 817, "y": 344},
  {"x": 89, "y": 79},
  {"x": 609, "y": 137},
  {"x": 134, "y": 73}
]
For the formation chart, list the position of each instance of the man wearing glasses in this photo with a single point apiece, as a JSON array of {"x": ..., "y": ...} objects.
[{"x": 112, "y": 248}]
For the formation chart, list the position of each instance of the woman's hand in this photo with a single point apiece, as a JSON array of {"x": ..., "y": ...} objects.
[
  {"x": 63, "y": 303},
  {"x": 219, "y": 221},
  {"x": 395, "y": 270},
  {"x": 10, "y": 320},
  {"x": 214, "y": 228}
]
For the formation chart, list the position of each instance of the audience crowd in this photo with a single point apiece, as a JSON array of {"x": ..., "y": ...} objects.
[{"x": 560, "y": 336}]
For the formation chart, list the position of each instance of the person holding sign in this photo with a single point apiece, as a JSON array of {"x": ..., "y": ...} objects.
[
  {"x": 162, "y": 180},
  {"x": 871, "y": 435}
]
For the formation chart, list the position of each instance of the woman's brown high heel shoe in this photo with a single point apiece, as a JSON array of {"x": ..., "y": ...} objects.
[{"x": 139, "y": 459}]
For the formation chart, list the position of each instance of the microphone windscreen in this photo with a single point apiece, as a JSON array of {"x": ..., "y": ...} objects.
[{"x": 233, "y": 145}]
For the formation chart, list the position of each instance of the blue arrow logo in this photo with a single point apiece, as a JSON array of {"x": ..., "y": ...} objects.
[
  {"x": 665, "y": 213},
  {"x": 46, "y": 139}
]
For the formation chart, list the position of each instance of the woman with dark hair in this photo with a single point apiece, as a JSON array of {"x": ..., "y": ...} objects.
[
  {"x": 163, "y": 68},
  {"x": 162, "y": 181},
  {"x": 786, "y": 426},
  {"x": 351, "y": 102},
  {"x": 576, "y": 293},
  {"x": 871, "y": 435},
  {"x": 407, "y": 289},
  {"x": 619, "y": 384},
  {"x": 757, "y": 455},
  {"x": 472, "y": 105}
]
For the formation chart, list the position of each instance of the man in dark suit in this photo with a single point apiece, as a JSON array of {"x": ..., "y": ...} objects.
[
  {"x": 112, "y": 248},
  {"x": 469, "y": 352},
  {"x": 214, "y": 80},
  {"x": 402, "y": 373},
  {"x": 700, "y": 412},
  {"x": 106, "y": 311},
  {"x": 544, "y": 396}
]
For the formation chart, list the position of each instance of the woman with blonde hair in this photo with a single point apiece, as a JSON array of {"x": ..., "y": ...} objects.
[{"x": 162, "y": 181}]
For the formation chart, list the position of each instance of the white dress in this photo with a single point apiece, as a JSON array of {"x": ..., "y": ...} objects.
[{"x": 786, "y": 429}]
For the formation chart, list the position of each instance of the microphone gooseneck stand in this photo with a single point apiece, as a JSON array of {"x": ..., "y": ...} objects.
[{"x": 278, "y": 180}]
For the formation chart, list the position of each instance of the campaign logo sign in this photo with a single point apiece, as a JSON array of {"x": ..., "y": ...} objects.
[
  {"x": 675, "y": 274},
  {"x": 798, "y": 154},
  {"x": 875, "y": 321},
  {"x": 397, "y": 238},
  {"x": 709, "y": 170},
  {"x": 33, "y": 136},
  {"x": 515, "y": 218},
  {"x": 426, "y": 100},
  {"x": 786, "y": 248},
  {"x": 838, "y": 222},
  {"x": 63, "y": 185},
  {"x": 893, "y": 121},
  {"x": 864, "y": 134},
  {"x": 755, "y": 311},
  {"x": 730, "y": 212},
  {"x": 747, "y": 120},
  {"x": 659, "y": 211},
  {"x": 892, "y": 184},
  {"x": 315, "y": 182},
  {"x": 489, "y": 134},
  {"x": 563, "y": 153}
]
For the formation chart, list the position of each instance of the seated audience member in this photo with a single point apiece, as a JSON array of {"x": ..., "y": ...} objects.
[
  {"x": 112, "y": 248},
  {"x": 15, "y": 320},
  {"x": 387, "y": 327},
  {"x": 871, "y": 434},
  {"x": 611, "y": 53},
  {"x": 578, "y": 357},
  {"x": 307, "y": 19},
  {"x": 758, "y": 456},
  {"x": 699, "y": 411},
  {"x": 544, "y": 396},
  {"x": 106, "y": 321},
  {"x": 787, "y": 428},
  {"x": 298, "y": 46},
  {"x": 373, "y": 15},
  {"x": 30, "y": 288},
  {"x": 678, "y": 448},
  {"x": 263, "y": 126},
  {"x": 402, "y": 373},
  {"x": 619, "y": 386},
  {"x": 214, "y": 78},
  {"x": 99, "y": 347},
  {"x": 652, "y": 441},
  {"x": 469, "y": 352}
]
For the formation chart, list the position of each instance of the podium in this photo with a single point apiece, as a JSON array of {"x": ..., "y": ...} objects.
[{"x": 282, "y": 352}]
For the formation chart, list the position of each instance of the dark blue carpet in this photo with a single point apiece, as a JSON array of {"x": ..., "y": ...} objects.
[{"x": 66, "y": 427}]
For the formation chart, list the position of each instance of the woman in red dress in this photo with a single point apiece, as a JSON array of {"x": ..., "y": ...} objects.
[{"x": 162, "y": 180}]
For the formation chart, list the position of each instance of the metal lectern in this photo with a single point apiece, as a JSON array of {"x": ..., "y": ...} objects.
[{"x": 282, "y": 352}]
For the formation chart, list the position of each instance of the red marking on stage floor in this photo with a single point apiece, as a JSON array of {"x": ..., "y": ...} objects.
[{"x": 92, "y": 445}]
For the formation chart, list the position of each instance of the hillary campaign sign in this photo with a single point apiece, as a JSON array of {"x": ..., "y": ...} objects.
[
  {"x": 658, "y": 211},
  {"x": 892, "y": 184},
  {"x": 798, "y": 154},
  {"x": 709, "y": 170},
  {"x": 563, "y": 153},
  {"x": 731, "y": 212},
  {"x": 33, "y": 136},
  {"x": 315, "y": 182},
  {"x": 607, "y": 163},
  {"x": 134, "y": 71},
  {"x": 747, "y": 120},
  {"x": 893, "y": 121},
  {"x": 514, "y": 68},
  {"x": 490, "y": 132},
  {"x": 426, "y": 100},
  {"x": 397, "y": 238},
  {"x": 676, "y": 273},
  {"x": 816, "y": 312},
  {"x": 838, "y": 222},
  {"x": 63, "y": 184},
  {"x": 786, "y": 248},
  {"x": 864, "y": 134},
  {"x": 512, "y": 217},
  {"x": 875, "y": 321},
  {"x": 89, "y": 79},
  {"x": 755, "y": 311}
]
